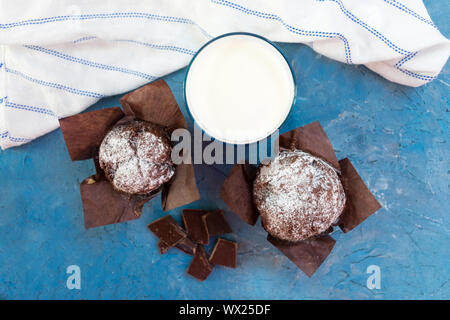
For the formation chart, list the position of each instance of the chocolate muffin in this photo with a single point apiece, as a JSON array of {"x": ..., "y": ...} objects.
[
  {"x": 297, "y": 195},
  {"x": 136, "y": 157}
]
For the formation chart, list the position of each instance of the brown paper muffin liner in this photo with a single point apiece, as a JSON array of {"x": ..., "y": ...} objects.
[
  {"x": 309, "y": 254},
  {"x": 83, "y": 134}
]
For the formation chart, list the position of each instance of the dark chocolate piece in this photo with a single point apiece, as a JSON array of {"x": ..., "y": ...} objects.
[
  {"x": 308, "y": 254},
  {"x": 224, "y": 253},
  {"x": 312, "y": 139},
  {"x": 102, "y": 205},
  {"x": 167, "y": 230},
  {"x": 187, "y": 246},
  {"x": 195, "y": 226},
  {"x": 360, "y": 201},
  {"x": 84, "y": 132},
  {"x": 200, "y": 267},
  {"x": 216, "y": 223},
  {"x": 237, "y": 192},
  {"x": 163, "y": 247}
]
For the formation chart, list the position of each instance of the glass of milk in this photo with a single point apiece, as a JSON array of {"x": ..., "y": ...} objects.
[{"x": 239, "y": 88}]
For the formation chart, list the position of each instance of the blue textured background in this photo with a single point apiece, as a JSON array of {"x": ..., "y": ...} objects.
[{"x": 397, "y": 137}]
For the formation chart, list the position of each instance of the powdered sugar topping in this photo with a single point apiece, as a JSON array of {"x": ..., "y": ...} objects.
[
  {"x": 135, "y": 157},
  {"x": 298, "y": 196}
]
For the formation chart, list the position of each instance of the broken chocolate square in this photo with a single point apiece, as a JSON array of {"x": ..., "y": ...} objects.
[
  {"x": 224, "y": 253},
  {"x": 195, "y": 226},
  {"x": 167, "y": 230},
  {"x": 200, "y": 267},
  {"x": 187, "y": 246},
  {"x": 163, "y": 247},
  {"x": 216, "y": 223}
]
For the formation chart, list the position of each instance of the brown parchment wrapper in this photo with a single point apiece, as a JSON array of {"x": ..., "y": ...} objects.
[
  {"x": 312, "y": 139},
  {"x": 360, "y": 201},
  {"x": 237, "y": 192},
  {"x": 308, "y": 254},
  {"x": 83, "y": 134},
  {"x": 103, "y": 205}
]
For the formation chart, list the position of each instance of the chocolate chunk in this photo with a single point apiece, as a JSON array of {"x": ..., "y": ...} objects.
[
  {"x": 224, "y": 253},
  {"x": 200, "y": 267},
  {"x": 360, "y": 201},
  {"x": 167, "y": 230},
  {"x": 237, "y": 192},
  {"x": 84, "y": 132},
  {"x": 163, "y": 247},
  {"x": 187, "y": 246},
  {"x": 195, "y": 226},
  {"x": 216, "y": 223},
  {"x": 308, "y": 254}
]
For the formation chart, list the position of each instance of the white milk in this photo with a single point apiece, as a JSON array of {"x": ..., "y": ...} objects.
[{"x": 239, "y": 89}]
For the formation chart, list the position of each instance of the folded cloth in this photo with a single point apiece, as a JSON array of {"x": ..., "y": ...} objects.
[{"x": 59, "y": 57}]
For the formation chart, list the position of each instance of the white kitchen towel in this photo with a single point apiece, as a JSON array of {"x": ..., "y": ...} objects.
[{"x": 59, "y": 57}]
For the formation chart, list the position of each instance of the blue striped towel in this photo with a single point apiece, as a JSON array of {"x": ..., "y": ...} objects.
[{"x": 57, "y": 58}]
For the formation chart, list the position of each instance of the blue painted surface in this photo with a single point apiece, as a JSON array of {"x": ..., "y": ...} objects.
[{"x": 397, "y": 137}]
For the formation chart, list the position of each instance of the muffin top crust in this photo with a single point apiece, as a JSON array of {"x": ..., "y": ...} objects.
[
  {"x": 297, "y": 195},
  {"x": 136, "y": 157}
]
